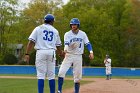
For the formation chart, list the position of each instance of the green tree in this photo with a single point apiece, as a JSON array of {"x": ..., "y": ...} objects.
[
  {"x": 8, "y": 13},
  {"x": 104, "y": 21},
  {"x": 132, "y": 45},
  {"x": 10, "y": 59},
  {"x": 33, "y": 16}
]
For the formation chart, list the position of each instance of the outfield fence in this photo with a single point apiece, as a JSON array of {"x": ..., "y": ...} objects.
[{"x": 87, "y": 71}]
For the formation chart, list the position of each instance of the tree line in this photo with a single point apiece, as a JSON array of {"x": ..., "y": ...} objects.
[{"x": 113, "y": 26}]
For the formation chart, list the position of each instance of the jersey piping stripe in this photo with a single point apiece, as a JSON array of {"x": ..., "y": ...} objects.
[
  {"x": 87, "y": 43},
  {"x": 58, "y": 44},
  {"x": 32, "y": 39}
]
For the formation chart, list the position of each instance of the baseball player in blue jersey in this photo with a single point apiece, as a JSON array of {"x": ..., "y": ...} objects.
[
  {"x": 74, "y": 40},
  {"x": 107, "y": 62},
  {"x": 45, "y": 39}
]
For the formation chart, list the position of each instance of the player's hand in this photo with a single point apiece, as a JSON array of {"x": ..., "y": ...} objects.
[
  {"x": 91, "y": 56},
  {"x": 62, "y": 54},
  {"x": 26, "y": 58}
]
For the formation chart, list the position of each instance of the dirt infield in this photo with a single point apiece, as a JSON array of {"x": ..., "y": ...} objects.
[
  {"x": 101, "y": 85},
  {"x": 109, "y": 86}
]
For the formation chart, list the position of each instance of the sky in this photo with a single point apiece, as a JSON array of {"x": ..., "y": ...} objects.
[
  {"x": 26, "y": 1},
  {"x": 65, "y": 1}
]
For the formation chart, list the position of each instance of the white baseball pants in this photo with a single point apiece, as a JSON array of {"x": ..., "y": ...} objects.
[
  {"x": 70, "y": 59},
  {"x": 45, "y": 64}
]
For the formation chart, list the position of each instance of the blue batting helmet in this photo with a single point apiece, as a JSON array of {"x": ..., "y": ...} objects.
[
  {"x": 49, "y": 17},
  {"x": 75, "y": 21}
]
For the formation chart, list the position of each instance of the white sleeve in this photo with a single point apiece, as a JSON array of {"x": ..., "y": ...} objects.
[
  {"x": 109, "y": 60},
  {"x": 66, "y": 39},
  {"x": 33, "y": 35},
  {"x": 86, "y": 40},
  {"x": 58, "y": 41},
  {"x": 66, "y": 48}
]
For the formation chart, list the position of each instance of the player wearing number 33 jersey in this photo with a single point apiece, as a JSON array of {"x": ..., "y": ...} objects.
[
  {"x": 46, "y": 40},
  {"x": 74, "y": 40}
]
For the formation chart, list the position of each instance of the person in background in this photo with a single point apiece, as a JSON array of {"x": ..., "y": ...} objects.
[{"x": 107, "y": 62}]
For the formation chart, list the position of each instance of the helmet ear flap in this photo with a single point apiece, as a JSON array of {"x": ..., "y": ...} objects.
[{"x": 78, "y": 25}]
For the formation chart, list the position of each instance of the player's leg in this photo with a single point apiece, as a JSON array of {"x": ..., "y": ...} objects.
[
  {"x": 41, "y": 70},
  {"x": 51, "y": 72},
  {"x": 107, "y": 73},
  {"x": 107, "y": 77},
  {"x": 77, "y": 87},
  {"x": 110, "y": 74},
  {"x": 62, "y": 71},
  {"x": 40, "y": 85},
  {"x": 77, "y": 72},
  {"x": 60, "y": 84}
]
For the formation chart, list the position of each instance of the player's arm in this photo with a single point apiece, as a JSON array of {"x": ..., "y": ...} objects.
[
  {"x": 66, "y": 47},
  {"x": 60, "y": 51},
  {"x": 28, "y": 49},
  {"x": 104, "y": 60},
  {"x": 66, "y": 43},
  {"x": 29, "y": 46},
  {"x": 58, "y": 46},
  {"x": 32, "y": 39},
  {"x": 89, "y": 47},
  {"x": 108, "y": 60}
]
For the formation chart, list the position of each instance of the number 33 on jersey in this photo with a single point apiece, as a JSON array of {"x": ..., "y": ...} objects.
[{"x": 46, "y": 38}]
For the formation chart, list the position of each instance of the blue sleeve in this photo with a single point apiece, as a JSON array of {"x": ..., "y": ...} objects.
[{"x": 89, "y": 47}]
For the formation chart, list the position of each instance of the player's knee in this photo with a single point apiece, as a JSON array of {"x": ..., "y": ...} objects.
[
  {"x": 76, "y": 80},
  {"x": 61, "y": 75},
  {"x": 40, "y": 76},
  {"x": 51, "y": 77}
]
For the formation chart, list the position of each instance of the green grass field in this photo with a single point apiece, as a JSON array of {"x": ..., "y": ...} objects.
[
  {"x": 9, "y": 85},
  {"x": 33, "y": 75},
  {"x": 28, "y": 85}
]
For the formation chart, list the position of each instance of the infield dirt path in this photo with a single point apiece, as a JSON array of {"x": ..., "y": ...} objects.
[
  {"x": 109, "y": 86},
  {"x": 100, "y": 85}
]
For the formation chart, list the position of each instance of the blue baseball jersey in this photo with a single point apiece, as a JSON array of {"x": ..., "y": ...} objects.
[
  {"x": 75, "y": 42},
  {"x": 45, "y": 37}
]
